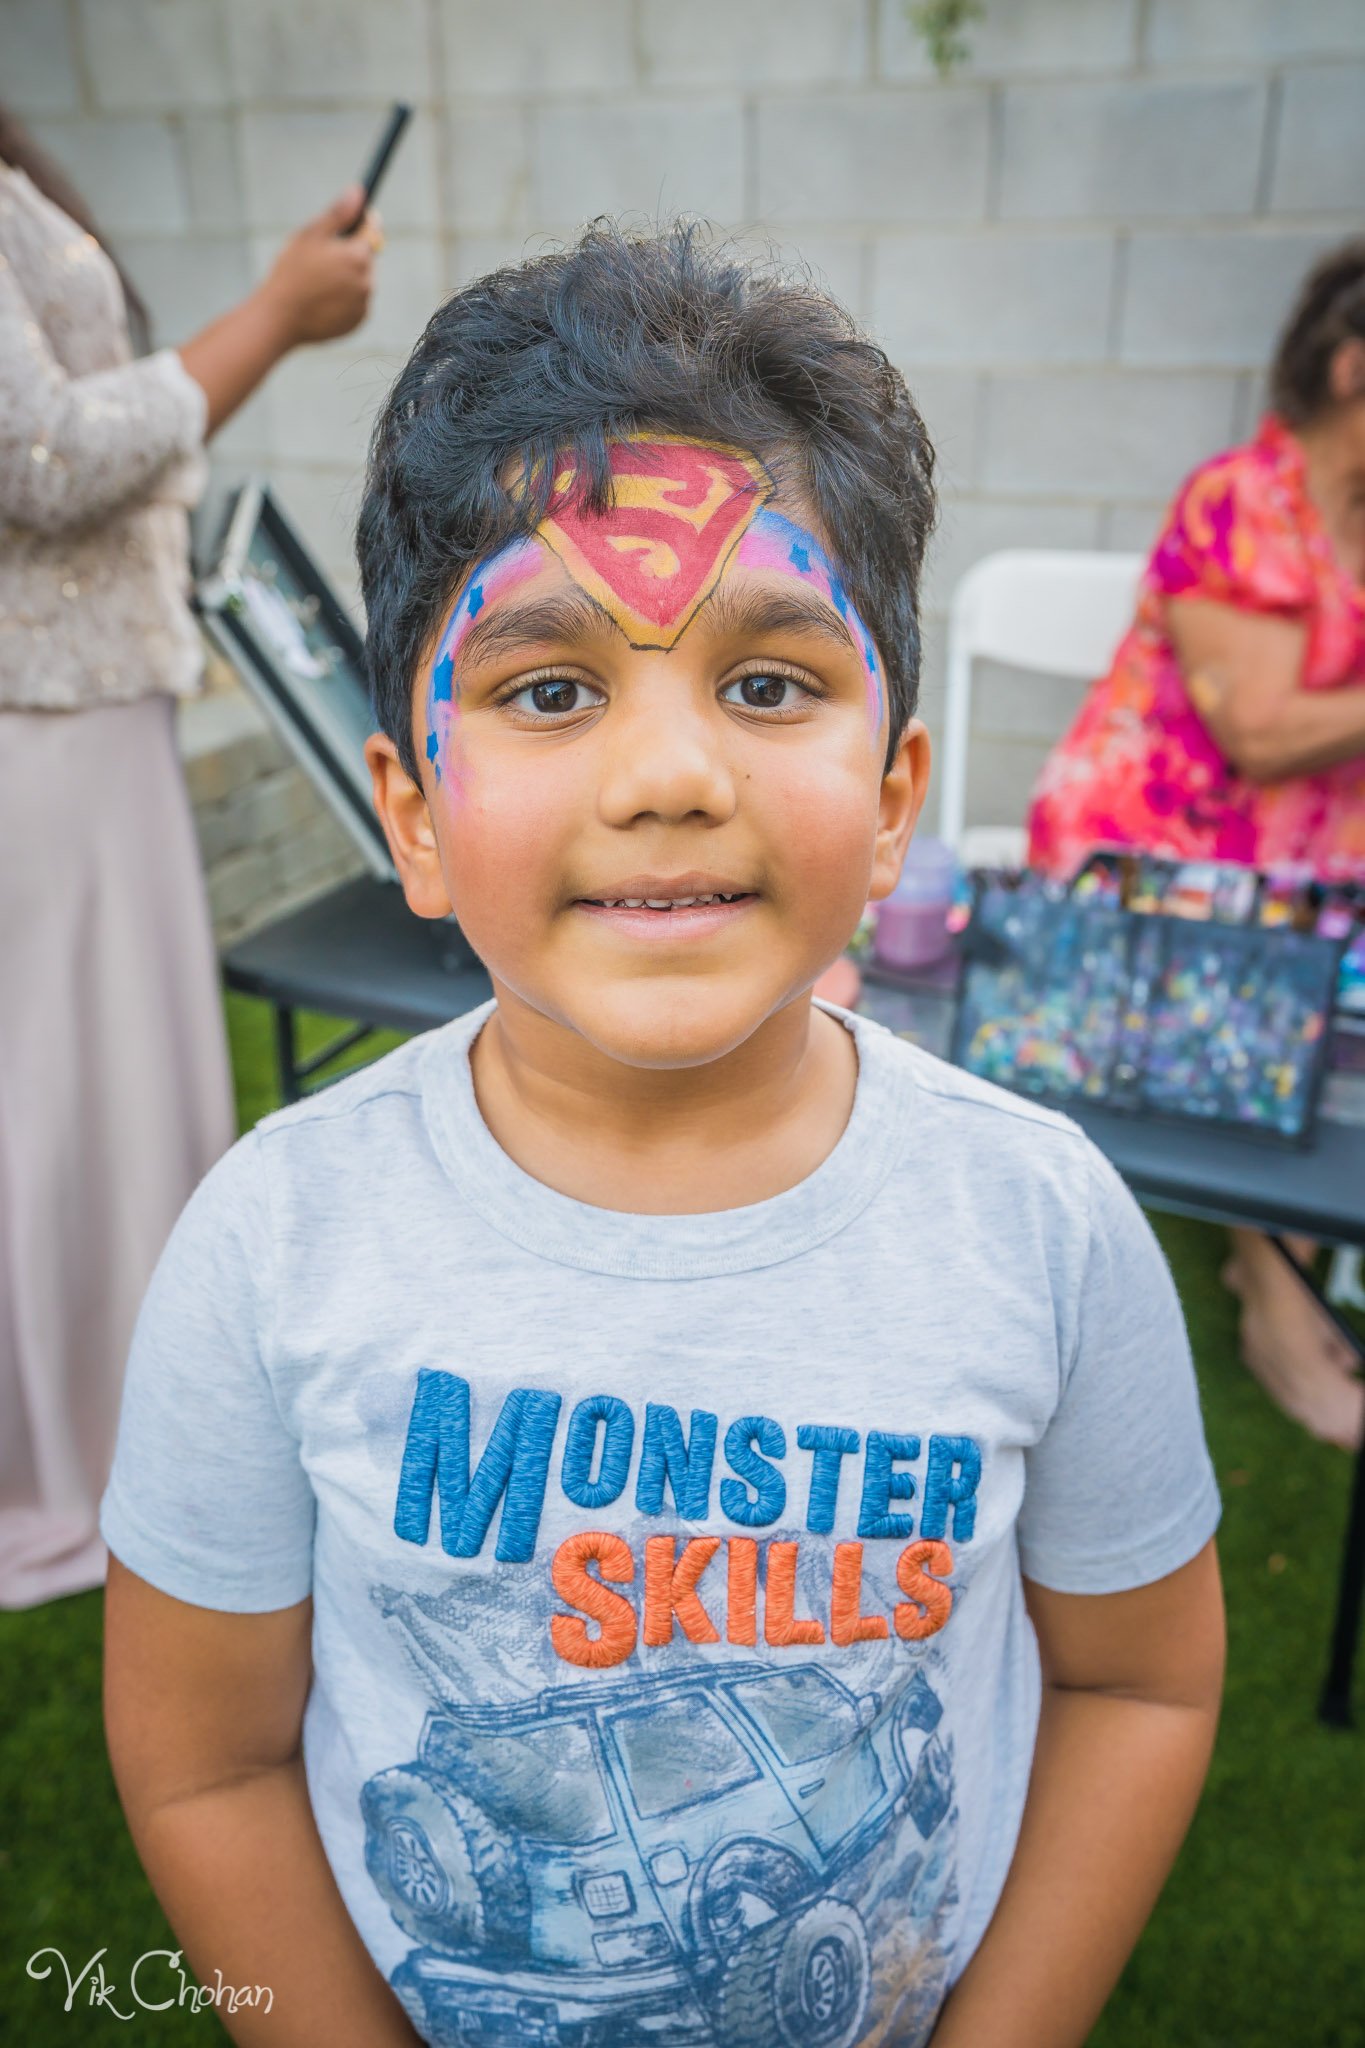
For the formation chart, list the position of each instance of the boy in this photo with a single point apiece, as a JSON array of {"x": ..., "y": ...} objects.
[{"x": 586, "y": 1481}]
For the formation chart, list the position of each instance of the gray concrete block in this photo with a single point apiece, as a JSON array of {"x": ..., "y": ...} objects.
[
  {"x": 1132, "y": 529},
  {"x": 277, "y": 807},
  {"x": 330, "y": 50},
  {"x": 321, "y": 405},
  {"x": 538, "y": 46},
  {"x": 129, "y": 171},
  {"x": 469, "y": 256},
  {"x": 949, "y": 403},
  {"x": 1023, "y": 704},
  {"x": 148, "y": 56},
  {"x": 186, "y": 283},
  {"x": 1252, "y": 31},
  {"x": 832, "y": 262},
  {"x": 208, "y": 143},
  {"x": 641, "y": 158},
  {"x": 37, "y": 62},
  {"x": 761, "y": 43},
  {"x": 488, "y": 169},
  {"x": 1021, "y": 37},
  {"x": 1212, "y": 298},
  {"x": 239, "y": 884},
  {"x": 1001, "y": 774},
  {"x": 1130, "y": 148},
  {"x": 993, "y": 298},
  {"x": 1102, "y": 434},
  {"x": 294, "y": 163},
  {"x": 971, "y": 528},
  {"x": 876, "y": 157},
  {"x": 1320, "y": 155}
]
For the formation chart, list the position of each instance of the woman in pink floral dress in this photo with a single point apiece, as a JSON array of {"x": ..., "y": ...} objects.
[{"x": 1231, "y": 725}]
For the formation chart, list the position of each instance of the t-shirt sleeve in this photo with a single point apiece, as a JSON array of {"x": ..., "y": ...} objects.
[
  {"x": 1230, "y": 537},
  {"x": 1119, "y": 1490},
  {"x": 208, "y": 1499}
]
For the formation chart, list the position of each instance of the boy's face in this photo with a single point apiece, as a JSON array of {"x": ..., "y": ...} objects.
[{"x": 673, "y": 700}]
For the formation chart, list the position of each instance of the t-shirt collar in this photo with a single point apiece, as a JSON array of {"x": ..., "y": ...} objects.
[{"x": 573, "y": 1233}]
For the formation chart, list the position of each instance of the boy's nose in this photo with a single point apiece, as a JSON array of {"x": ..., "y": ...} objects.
[{"x": 665, "y": 758}]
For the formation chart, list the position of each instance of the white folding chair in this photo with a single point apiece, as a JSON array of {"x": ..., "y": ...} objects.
[{"x": 1051, "y": 611}]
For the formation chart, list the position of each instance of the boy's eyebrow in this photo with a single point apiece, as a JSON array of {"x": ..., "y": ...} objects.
[
  {"x": 734, "y": 613},
  {"x": 566, "y": 615}
]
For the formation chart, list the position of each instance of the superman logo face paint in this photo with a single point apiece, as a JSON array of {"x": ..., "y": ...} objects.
[{"x": 651, "y": 560}]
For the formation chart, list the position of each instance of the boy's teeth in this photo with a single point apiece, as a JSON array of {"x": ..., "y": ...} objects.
[{"x": 660, "y": 902}]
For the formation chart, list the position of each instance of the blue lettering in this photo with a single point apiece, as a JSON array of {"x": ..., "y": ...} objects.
[
  {"x": 944, "y": 1488},
  {"x": 513, "y": 1469},
  {"x": 685, "y": 1465},
  {"x": 882, "y": 1485},
  {"x": 580, "y": 1445},
  {"x": 831, "y": 1446},
  {"x": 770, "y": 1488}
]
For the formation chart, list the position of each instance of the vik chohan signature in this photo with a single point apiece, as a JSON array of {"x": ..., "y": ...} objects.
[{"x": 152, "y": 1985}]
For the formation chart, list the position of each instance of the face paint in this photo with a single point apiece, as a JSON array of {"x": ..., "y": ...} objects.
[
  {"x": 514, "y": 564},
  {"x": 775, "y": 543},
  {"x": 678, "y": 511}
]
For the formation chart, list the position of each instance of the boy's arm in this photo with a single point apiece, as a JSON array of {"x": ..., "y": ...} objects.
[
  {"x": 204, "y": 1713},
  {"x": 1131, "y": 1688}
]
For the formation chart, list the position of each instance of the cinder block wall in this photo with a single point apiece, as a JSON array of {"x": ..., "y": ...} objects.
[{"x": 1078, "y": 249}]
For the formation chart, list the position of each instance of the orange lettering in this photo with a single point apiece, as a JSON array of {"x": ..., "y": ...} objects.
[
  {"x": 932, "y": 1600},
  {"x": 741, "y": 1590},
  {"x": 576, "y": 1586},
  {"x": 672, "y": 1589},
  {"x": 847, "y": 1622},
  {"x": 780, "y": 1624}
]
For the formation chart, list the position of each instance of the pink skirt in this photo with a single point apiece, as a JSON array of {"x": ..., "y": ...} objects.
[{"x": 115, "y": 1099}]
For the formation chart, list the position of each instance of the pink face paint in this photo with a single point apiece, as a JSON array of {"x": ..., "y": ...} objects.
[
  {"x": 775, "y": 543},
  {"x": 517, "y": 563}
]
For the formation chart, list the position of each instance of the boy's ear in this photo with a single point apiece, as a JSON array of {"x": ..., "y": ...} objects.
[
  {"x": 903, "y": 791},
  {"x": 402, "y": 807}
]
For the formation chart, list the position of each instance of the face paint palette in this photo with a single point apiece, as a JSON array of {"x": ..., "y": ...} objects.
[
  {"x": 1189, "y": 990},
  {"x": 271, "y": 612}
]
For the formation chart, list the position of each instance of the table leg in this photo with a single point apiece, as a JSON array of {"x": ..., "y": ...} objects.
[
  {"x": 291, "y": 1087},
  {"x": 1335, "y": 1705}
]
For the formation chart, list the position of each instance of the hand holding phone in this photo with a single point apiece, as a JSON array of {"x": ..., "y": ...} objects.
[{"x": 399, "y": 115}]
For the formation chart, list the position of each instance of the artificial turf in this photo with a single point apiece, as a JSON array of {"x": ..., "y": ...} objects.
[{"x": 1258, "y": 1940}]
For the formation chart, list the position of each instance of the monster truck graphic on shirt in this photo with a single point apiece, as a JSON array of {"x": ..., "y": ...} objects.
[{"x": 679, "y": 1858}]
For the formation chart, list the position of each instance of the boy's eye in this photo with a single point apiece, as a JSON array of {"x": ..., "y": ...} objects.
[
  {"x": 555, "y": 697},
  {"x": 766, "y": 692}
]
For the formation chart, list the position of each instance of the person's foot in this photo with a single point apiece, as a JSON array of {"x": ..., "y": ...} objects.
[
  {"x": 1284, "y": 1347},
  {"x": 1267, "y": 1281}
]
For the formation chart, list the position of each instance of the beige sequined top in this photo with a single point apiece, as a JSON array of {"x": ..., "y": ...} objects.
[{"x": 101, "y": 457}]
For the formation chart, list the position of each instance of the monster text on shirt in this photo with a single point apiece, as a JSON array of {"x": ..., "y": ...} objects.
[{"x": 513, "y": 1474}]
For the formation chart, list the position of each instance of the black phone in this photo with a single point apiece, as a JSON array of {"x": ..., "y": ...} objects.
[{"x": 399, "y": 115}]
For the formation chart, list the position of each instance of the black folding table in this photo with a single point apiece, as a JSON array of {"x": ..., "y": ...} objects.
[{"x": 359, "y": 953}]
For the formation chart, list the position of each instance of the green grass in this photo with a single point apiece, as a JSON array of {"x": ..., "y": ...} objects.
[{"x": 1257, "y": 1940}]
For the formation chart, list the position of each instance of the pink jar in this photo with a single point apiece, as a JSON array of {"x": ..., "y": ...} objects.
[{"x": 912, "y": 922}]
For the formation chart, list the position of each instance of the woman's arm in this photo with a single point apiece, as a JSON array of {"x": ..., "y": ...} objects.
[
  {"x": 1243, "y": 673},
  {"x": 1131, "y": 1688},
  {"x": 75, "y": 449},
  {"x": 203, "y": 1712},
  {"x": 319, "y": 287}
]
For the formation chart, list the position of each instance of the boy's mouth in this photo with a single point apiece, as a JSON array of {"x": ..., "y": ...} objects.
[{"x": 691, "y": 905}]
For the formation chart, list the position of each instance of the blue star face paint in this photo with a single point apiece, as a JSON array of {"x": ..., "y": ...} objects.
[
  {"x": 516, "y": 563},
  {"x": 776, "y": 543}
]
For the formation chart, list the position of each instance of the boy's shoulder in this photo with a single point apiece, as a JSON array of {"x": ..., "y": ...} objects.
[
  {"x": 393, "y": 1084},
  {"x": 980, "y": 1110}
]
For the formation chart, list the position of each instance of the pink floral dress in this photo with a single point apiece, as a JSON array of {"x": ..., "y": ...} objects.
[{"x": 1138, "y": 768}]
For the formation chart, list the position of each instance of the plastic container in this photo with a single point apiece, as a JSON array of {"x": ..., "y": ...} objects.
[{"x": 912, "y": 922}]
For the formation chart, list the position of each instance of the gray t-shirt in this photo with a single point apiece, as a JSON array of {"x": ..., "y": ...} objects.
[{"x": 672, "y": 1674}]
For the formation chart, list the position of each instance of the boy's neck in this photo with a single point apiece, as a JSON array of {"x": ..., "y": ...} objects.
[{"x": 676, "y": 1141}]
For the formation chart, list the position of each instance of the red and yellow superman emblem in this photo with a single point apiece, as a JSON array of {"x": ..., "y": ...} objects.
[{"x": 655, "y": 555}]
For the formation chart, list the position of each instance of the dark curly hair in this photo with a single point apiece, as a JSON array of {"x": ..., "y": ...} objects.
[
  {"x": 623, "y": 333},
  {"x": 1330, "y": 309}
]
